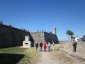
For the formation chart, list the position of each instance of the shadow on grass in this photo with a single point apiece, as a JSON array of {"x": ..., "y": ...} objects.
[{"x": 6, "y": 58}]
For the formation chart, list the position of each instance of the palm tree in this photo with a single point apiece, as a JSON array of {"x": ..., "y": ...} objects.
[{"x": 69, "y": 33}]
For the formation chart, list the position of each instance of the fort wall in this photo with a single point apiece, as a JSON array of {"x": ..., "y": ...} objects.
[{"x": 41, "y": 36}]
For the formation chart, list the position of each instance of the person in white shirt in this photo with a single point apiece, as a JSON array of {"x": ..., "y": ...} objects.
[
  {"x": 76, "y": 38},
  {"x": 49, "y": 45},
  {"x": 53, "y": 46}
]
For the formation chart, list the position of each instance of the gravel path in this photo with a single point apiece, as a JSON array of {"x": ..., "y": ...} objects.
[{"x": 47, "y": 58}]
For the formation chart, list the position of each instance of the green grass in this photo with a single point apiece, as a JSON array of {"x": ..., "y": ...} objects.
[
  {"x": 18, "y": 55},
  {"x": 14, "y": 50}
]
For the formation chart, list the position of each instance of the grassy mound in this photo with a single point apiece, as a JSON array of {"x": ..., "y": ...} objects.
[
  {"x": 16, "y": 55},
  {"x": 63, "y": 57}
]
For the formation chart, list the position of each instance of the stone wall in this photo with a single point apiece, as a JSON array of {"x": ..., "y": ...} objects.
[
  {"x": 38, "y": 36},
  {"x": 41, "y": 36},
  {"x": 49, "y": 37}
]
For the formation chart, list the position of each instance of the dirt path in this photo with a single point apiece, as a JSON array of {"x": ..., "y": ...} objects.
[{"x": 47, "y": 58}]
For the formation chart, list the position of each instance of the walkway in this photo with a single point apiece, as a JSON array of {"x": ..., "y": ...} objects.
[
  {"x": 47, "y": 58},
  {"x": 79, "y": 55}
]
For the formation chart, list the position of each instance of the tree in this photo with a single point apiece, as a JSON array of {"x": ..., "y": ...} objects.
[{"x": 70, "y": 33}]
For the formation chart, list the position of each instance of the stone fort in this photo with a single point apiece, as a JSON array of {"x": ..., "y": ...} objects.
[
  {"x": 11, "y": 36},
  {"x": 41, "y": 36}
]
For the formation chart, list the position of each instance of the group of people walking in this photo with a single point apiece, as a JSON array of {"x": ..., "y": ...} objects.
[
  {"x": 44, "y": 46},
  {"x": 51, "y": 46}
]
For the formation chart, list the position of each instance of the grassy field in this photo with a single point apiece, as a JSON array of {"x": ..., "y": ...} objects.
[
  {"x": 58, "y": 46},
  {"x": 68, "y": 45},
  {"x": 17, "y": 55}
]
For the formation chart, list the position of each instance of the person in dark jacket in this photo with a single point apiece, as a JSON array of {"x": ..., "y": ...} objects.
[{"x": 36, "y": 44}]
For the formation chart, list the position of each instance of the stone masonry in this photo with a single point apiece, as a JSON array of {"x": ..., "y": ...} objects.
[
  {"x": 41, "y": 36},
  {"x": 38, "y": 36}
]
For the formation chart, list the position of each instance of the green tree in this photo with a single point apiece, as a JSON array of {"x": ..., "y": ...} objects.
[{"x": 69, "y": 33}]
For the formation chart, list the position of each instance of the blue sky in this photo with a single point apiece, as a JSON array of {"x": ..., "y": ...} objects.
[{"x": 41, "y": 15}]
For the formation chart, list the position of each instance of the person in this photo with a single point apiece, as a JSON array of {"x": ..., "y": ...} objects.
[
  {"x": 36, "y": 44},
  {"x": 45, "y": 46},
  {"x": 49, "y": 45},
  {"x": 53, "y": 46},
  {"x": 41, "y": 45},
  {"x": 74, "y": 45}
]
